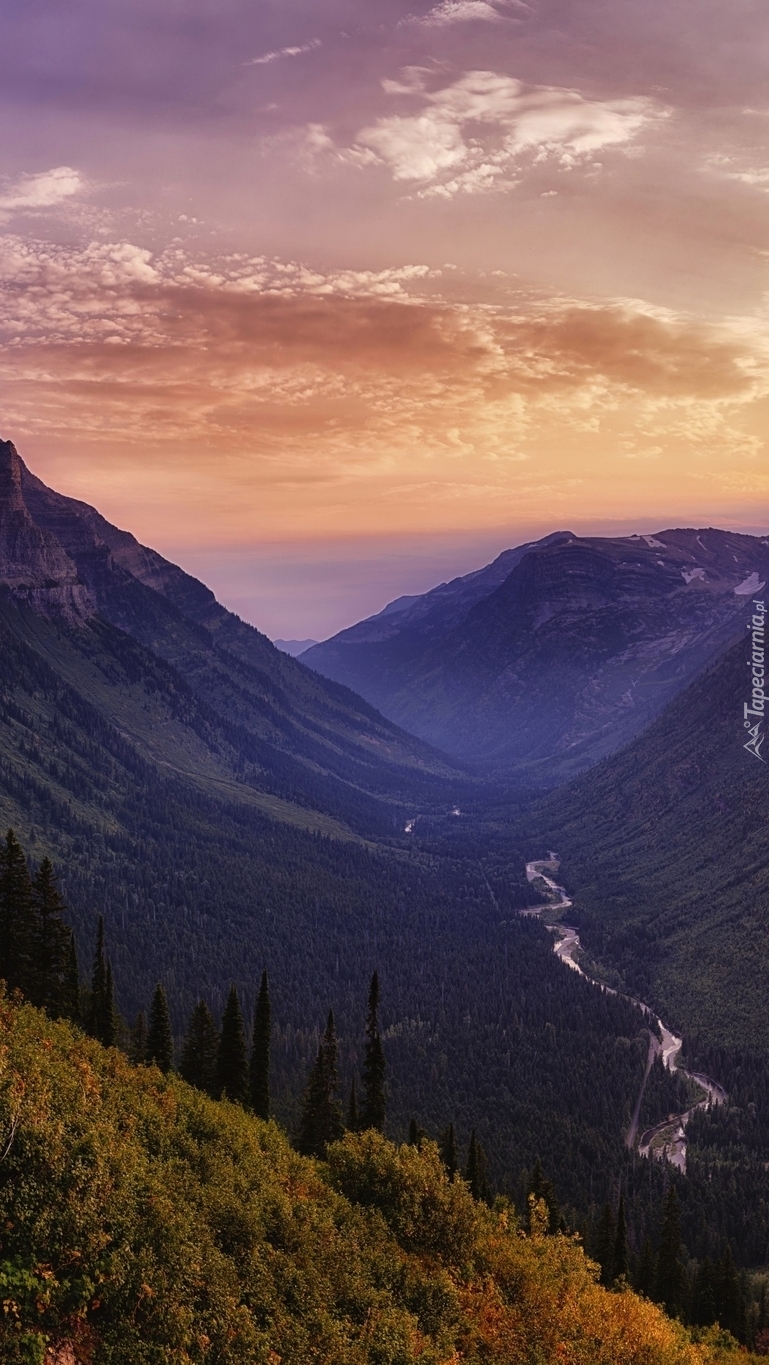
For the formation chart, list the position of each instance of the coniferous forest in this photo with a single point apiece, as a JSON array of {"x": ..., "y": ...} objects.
[{"x": 687, "y": 1243}]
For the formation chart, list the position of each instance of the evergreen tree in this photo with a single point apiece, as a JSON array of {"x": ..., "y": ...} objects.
[
  {"x": 352, "y": 1121},
  {"x": 138, "y": 1045},
  {"x": 107, "y": 1017},
  {"x": 17, "y": 919},
  {"x": 231, "y": 1081},
  {"x": 646, "y": 1271},
  {"x": 321, "y": 1122},
  {"x": 475, "y": 1174},
  {"x": 70, "y": 989},
  {"x": 620, "y": 1258},
  {"x": 372, "y": 1114},
  {"x": 96, "y": 1004},
  {"x": 259, "y": 1070},
  {"x": 704, "y": 1310},
  {"x": 201, "y": 1047},
  {"x": 542, "y": 1188},
  {"x": 160, "y": 1043},
  {"x": 670, "y": 1283},
  {"x": 605, "y": 1238},
  {"x": 51, "y": 953},
  {"x": 448, "y": 1150},
  {"x": 416, "y": 1135}
]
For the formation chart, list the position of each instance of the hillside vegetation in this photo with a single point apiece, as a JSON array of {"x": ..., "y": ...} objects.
[{"x": 142, "y": 1223}]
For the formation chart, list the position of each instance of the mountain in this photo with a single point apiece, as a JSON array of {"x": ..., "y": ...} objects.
[
  {"x": 269, "y": 730},
  {"x": 665, "y": 850},
  {"x": 557, "y": 653},
  {"x": 294, "y": 647}
]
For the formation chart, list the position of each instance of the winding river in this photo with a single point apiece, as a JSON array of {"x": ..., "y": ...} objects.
[{"x": 667, "y": 1140}]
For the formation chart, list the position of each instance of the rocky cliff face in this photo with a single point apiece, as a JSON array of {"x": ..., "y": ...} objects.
[
  {"x": 33, "y": 563},
  {"x": 564, "y": 657}
]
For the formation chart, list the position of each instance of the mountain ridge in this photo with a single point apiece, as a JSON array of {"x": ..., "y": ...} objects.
[{"x": 578, "y": 646}]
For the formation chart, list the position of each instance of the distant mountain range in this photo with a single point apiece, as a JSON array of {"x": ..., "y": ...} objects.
[
  {"x": 294, "y": 647},
  {"x": 557, "y": 653}
]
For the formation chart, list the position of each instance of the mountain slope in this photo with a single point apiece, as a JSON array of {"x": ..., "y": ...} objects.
[
  {"x": 666, "y": 848},
  {"x": 557, "y": 653},
  {"x": 267, "y": 723},
  {"x": 149, "y": 1224}
]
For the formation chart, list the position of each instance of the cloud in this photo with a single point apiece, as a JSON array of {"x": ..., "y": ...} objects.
[
  {"x": 43, "y": 190},
  {"x": 477, "y": 133},
  {"x": 461, "y": 12},
  {"x": 260, "y": 387},
  {"x": 285, "y": 52}
]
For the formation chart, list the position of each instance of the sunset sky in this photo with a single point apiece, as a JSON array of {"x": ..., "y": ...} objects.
[{"x": 329, "y": 301}]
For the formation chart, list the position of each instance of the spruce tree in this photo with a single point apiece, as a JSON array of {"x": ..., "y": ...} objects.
[
  {"x": 107, "y": 1016},
  {"x": 448, "y": 1151},
  {"x": 352, "y": 1122},
  {"x": 17, "y": 919},
  {"x": 51, "y": 941},
  {"x": 201, "y": 1047},
  {"x": 160, "y": 1043},
  {"x": 372, "y": 1113},
  {"x": 605, "y": 1238},
  {"x": 417, "y": 1135},
  {"x": 259, "y": 1070},
  {"x": 620, "y": 1258},
  {"x": 542, "y": 1188},
  {"x": 646, "y": 1271},
  {"x": 231, "y": 1080},
  {"x": 475, "y": 1173},
  {"x": 137, "y": 1051},
  {"x": 70, "y": 990},
  {"x": 96, "y": 1003},
  {"x": 670, "y": 1282},
  {"x": 321, "y": 1122}
]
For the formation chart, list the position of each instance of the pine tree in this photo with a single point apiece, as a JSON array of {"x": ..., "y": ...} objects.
[
  {"x": 448, "y": 1151},
  {"x": 670, "y": 1283},
  {"x": 646, "y": 1271},
  {"x": 107, "y": 1017},
  {"x": 605, "y": 1238},
  {"x": 620, "y": 1258},
  {"x": 138, "y": 1045},
  {"x": 372, "y": 1113},
  {"x": 475, "y": 1174},
  {"x": 352, "y": 1122},
  {"x": 231, "y": 1080},
  {"x": 201, "y": 1047},
  {"x": 70, "y": 989},
  {"x": 51, "y": 941},
  {"x": 417, "y": 1135},
  {"x": 17, "y": 919},
  {"x": 259, "y": 1070},
  {"x": 96, "y": 1004},
  {"x": 321, "y": 1122},
  {"x": 160, "y": 1043},
  {"x": 542, "y": 1188}
]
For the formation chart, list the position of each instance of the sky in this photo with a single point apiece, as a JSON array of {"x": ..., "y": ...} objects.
[{"x": 330, "y": 301}]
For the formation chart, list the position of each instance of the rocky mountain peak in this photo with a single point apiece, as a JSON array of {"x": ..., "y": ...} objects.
[{"x": 33, "y": 564}]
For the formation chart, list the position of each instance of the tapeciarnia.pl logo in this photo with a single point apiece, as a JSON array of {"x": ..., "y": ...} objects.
[{"x": 754, "y": 710}]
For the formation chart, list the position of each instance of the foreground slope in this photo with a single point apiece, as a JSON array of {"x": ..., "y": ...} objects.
[
  {"x": 261, "y": 721},
  {"x": 557, "y": 653},
  {"x": 666, "y": 848},
  {"x": 142, "y": 1223}
]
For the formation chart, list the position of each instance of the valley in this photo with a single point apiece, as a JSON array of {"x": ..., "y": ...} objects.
[{"x": 665, "y": 1140}]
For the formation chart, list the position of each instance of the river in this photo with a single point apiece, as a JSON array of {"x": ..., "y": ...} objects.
[{"x": 666, "y": 1140}]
